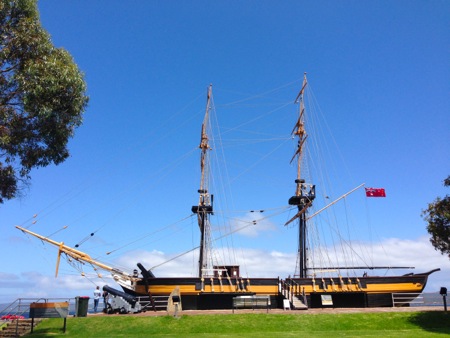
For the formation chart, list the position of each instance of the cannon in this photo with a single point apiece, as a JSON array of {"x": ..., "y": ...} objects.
[
  {"x": 120, "y": 302},
  {"x": 147, "y": 274}
]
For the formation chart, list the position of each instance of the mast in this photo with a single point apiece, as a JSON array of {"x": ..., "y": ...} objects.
[
  {"x": 304, "y": 192},
  {"x": 204, "y": 208}
]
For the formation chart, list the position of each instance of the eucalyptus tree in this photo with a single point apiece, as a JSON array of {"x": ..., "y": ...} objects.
[
  {"x": 437, "y": 216},
  {"x": 42, "y": 97}
]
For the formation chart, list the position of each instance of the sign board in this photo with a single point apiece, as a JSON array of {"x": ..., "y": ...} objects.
[
  {"x": 326, "y": 300},
  {"x": 286, "y": 304},
  {"x": 49, "y": 310}
]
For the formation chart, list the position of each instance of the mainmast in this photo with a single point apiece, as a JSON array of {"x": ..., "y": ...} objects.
[
  {"x": 204, "y": 207},
  {"x": 304, "y": 192}
]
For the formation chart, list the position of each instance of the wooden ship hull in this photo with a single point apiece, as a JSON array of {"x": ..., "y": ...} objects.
[{"x": 217, "y": 293}]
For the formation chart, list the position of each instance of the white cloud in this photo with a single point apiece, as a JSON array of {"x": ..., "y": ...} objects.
[{"x": 253, "y": 223}]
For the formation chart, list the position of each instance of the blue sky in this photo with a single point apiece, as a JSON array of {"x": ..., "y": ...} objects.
[{"x": 379, "y": 70}]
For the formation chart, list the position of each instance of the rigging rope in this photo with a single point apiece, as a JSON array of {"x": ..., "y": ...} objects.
[
  {"x": 149, "y": 234},
  {"x": 249, "y": 223},
  {"x": 104, "y": 174}
]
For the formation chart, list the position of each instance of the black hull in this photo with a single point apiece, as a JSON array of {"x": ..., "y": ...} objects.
[
  {"x": 221, "y": 301},
  {"x": 212, "y": 293},
  {"x": 355, "y": 300}
]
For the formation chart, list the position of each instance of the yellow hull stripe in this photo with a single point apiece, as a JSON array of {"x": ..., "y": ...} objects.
[
  {"x": 190, "y": 289},
  {"x": 273, "y": 289}
]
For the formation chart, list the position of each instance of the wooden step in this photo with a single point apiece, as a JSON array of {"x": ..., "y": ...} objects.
[{"x": 18, "y": 327}]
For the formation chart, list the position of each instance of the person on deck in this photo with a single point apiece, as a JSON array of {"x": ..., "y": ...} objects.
[{"x": 97, "y": 295}]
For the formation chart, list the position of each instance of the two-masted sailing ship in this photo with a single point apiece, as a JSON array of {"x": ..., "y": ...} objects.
[{"x": 216, "y": 286}]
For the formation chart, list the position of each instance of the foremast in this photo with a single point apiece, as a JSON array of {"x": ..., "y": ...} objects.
[
  {"x": 204, "y": 208},
  {"x": 304, "y": 192}
]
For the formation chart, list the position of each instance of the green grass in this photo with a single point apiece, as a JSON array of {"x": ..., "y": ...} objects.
[{"x": 388, "y": 324}]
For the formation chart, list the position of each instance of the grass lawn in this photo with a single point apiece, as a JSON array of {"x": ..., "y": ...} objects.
[{"x": 386, "y": 324}]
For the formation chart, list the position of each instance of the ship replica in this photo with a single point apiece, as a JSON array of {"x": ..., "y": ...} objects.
[{"x": 218, "y": 286}]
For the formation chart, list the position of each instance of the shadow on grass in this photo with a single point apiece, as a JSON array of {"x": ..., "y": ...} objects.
[
  {"x": 46, "y": 332},
  {"x": 432, "y": 321}
]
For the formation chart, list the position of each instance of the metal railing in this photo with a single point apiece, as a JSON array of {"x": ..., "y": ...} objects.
[
  {"x": 251, "y": 302},
  {"x": 402, "y": 299},
  {"x": 291, "y": 290},
  {"x": 21, "y": 306}
]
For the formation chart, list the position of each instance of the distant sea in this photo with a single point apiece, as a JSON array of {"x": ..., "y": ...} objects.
[{"x": 431, "y": 299}]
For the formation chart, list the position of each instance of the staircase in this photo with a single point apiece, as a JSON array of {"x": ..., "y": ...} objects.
[
  {"x": 17, "y": 327},
  {"x": 161, "y": 302},
  {"x": 291, "y": 291},
  {"x": 297, "y": 304}
]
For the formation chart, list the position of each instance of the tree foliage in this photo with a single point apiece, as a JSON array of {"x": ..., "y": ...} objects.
[
  {"x": 438, "y": 217},
  {"x": 42, "y": 97}
]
